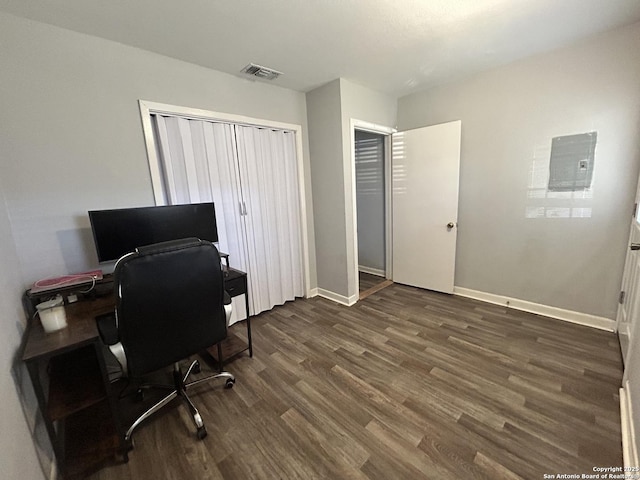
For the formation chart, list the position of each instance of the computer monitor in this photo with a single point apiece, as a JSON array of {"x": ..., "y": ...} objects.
[{"x": 118, "y": 232}]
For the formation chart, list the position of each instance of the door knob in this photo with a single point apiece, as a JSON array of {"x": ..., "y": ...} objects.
[
  {"x": 450, "y": 225},
  {"x": 635, "y": 246}
]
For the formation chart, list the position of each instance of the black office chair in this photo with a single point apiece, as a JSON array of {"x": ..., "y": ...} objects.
[{"x": 169, "y": 305}]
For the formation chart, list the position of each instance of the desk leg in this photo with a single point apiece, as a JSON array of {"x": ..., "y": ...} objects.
[
  {"x": 249, "y": 336},
  {"x": 246, "y": 300},
  {"x": 220, "y": 361}
]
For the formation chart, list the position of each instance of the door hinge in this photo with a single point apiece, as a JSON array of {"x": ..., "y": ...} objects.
[
  {"x": 635, "y": 210},
  {"x": 621, "y": 298}
]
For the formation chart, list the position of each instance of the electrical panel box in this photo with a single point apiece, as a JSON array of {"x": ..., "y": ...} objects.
[{"x": 571, "y": 163}]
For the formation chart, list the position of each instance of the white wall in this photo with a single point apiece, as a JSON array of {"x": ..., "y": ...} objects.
[
  {"x": 509, "y": 116},
  {"x": 72, "y": 139},
  {"x": 330, "y": 111},
  {"x": 18, "y": 418}
]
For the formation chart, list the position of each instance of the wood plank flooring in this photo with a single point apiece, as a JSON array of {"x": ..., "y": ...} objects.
[
  {"x": 370, "y": 284},
  {"x": 368, "y": 280},
  {"x": 407, "y": 384}
]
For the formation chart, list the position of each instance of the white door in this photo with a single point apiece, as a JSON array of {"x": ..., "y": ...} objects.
[
  {"x": 426, "y": 170},
  {"x": 629, "y": 307}
]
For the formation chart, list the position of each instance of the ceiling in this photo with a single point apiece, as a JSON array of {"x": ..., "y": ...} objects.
[{"x": 393, "y": 46}]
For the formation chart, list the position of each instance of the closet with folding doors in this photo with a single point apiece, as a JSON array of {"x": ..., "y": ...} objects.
[{"x": 251, "y": 174}]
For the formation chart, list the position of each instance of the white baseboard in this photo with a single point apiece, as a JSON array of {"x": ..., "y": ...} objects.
[
  {"x": 546, "y": 310},
  {"x": 313, "y": 292},
  {"x": 348, "y": 301},
  {"x": 372, "y": 271},
  {"x": 629, "y": 446}
]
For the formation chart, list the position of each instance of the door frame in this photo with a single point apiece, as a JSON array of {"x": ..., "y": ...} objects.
[
  {"x": 629, "y": 397},
  {"x": 352, "y": 204},
  {"x": 626, "y": 282},
  {"x": 147, "y": 108}
]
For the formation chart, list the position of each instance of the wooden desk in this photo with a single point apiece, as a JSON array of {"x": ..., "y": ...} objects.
[{"x": 70, "y": 380}]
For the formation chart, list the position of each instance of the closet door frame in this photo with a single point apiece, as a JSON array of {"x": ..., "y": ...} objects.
[{"x": 148, "y": 108}]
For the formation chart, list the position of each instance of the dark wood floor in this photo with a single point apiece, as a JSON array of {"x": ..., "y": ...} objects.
[
  {"x": 368, "y": 280},
  {"x": 406, "y": 384}
]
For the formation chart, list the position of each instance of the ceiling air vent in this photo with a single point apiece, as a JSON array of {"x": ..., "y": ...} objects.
[{"x": 261, "y": 72}]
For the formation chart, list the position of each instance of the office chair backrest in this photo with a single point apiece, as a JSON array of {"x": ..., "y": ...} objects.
[{"x": 169, "y": 303}]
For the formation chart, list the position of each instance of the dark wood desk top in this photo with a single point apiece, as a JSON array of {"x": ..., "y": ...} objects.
[
  {"x": 231, "y": 273},
  {"x": 81, "y": 329},
  {"x": 81, "y": 326}
]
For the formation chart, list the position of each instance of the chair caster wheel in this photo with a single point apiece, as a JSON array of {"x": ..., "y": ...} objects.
[
  {"x": 128, "y": 446},
  {"x": 229, "y": 383},
  {"x": 196, "y": 368},
  {"x": 202, "y": 432}
]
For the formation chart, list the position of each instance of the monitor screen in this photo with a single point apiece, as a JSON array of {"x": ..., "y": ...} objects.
[{"x": 118, "y": 232}]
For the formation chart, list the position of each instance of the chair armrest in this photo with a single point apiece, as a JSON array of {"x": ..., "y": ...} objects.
[{"x": 107, "y": 328}]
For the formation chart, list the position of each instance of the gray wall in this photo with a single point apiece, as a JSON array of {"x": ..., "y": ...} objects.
[
  {"x": 330, "y": 110},
  {"x": 18, "y": 418},
  {"x": 509, "y": 116},
  {"x": 325, "y": 150},
  {"x": 72, "y": 139},
  {"x": 370, "y": 200}
]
